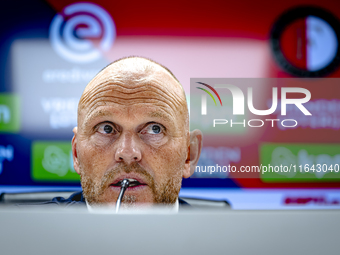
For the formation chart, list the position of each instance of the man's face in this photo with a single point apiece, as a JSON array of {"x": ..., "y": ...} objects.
[{"x": 132, "y": 125}]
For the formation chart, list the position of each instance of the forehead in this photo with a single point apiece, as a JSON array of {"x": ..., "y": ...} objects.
[
  {"x": 130, "y": 116},
  {"x": 149, "y": 91}
]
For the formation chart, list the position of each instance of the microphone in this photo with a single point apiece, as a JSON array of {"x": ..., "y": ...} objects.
[{"x": 123, "y": 186}]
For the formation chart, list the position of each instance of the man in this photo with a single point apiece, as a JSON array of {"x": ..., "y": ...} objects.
[{"x": 133, "y": 123}]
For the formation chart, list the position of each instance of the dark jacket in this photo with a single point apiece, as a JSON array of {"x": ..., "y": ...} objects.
[{"x": 78, "y": 199}]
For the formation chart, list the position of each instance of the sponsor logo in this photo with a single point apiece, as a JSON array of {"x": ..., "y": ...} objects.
[
  {"x": 74, "y": 31},
  {"x": 319, "y": 200},
  {"x": 66, "y": 76},
  {"x": 62, "y": 111},
  {"x": 9, "y": 113},
  {"x": 305, "y": 42},
  {"x": 308, "y": 162},
  {"x": 6, "y": 153},
  {"x": 53, "y": 161}
]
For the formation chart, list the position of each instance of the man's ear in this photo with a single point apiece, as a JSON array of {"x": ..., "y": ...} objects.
[
  {"x": 194, "y": 152},
  {"x": 74, "y": 151}
]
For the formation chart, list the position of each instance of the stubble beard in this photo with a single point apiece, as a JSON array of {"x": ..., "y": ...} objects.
[{"x": 165, "y": 193}]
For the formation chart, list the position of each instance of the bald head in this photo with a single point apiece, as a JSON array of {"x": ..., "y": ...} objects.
[
  {"x": 133, "y": 72},
  {"x": 132, "y": 76}
]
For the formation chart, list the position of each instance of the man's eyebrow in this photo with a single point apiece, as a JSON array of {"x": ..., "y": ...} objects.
[
  {"x": 160, "y": 115},
  {"x": 96, "y": 114}
]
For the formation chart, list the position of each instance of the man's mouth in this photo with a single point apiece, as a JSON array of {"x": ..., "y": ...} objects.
[{"x": 133, "y": 183}]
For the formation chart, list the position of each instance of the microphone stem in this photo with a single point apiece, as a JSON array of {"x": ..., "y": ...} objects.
[{"x": 124, "y": 185}]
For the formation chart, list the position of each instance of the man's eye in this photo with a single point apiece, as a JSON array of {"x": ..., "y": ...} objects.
[
  {"x": 105, "y": 128},
  {"x": 154, "y": 129}
]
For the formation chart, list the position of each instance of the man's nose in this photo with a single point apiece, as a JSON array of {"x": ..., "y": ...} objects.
[{"x": 128, "y": 149}]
